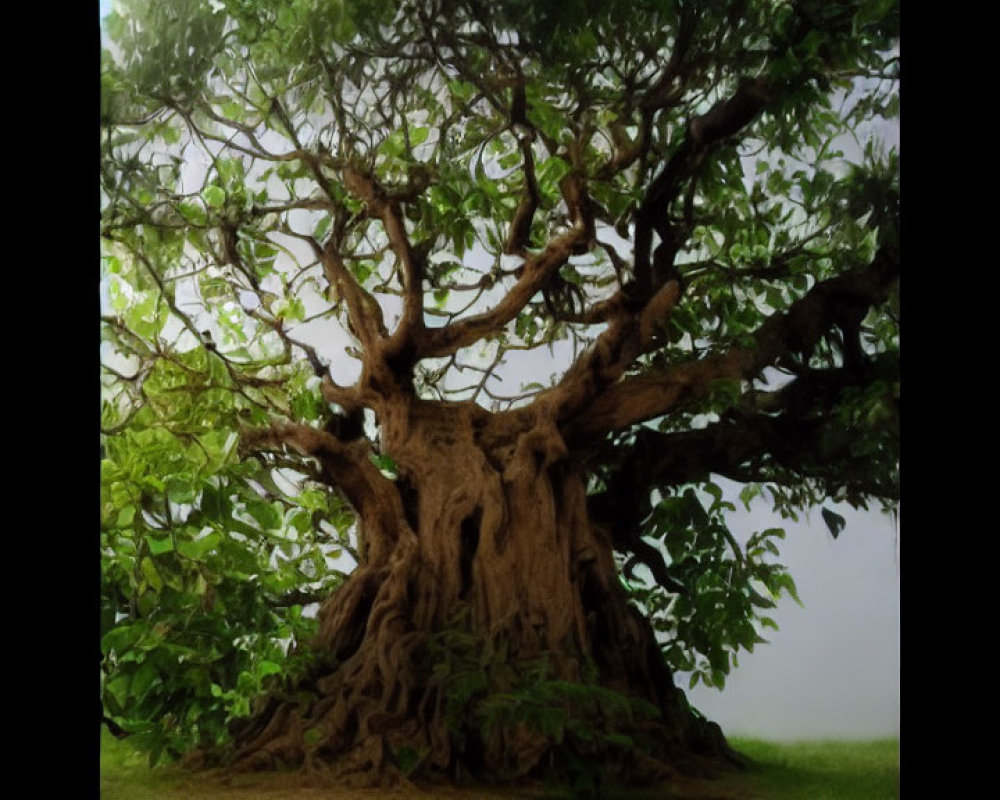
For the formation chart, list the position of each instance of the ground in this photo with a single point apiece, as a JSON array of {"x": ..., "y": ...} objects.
[{"x": 832, "y": 770}]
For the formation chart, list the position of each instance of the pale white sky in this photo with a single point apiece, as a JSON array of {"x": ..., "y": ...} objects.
[{"x": 832, "y": 667}]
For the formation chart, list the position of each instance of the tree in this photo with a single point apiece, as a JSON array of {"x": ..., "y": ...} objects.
[{"x": 328, "y": 226}]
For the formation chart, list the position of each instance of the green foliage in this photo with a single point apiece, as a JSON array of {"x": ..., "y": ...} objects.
[
  {"x": 206, "y": 560},
  {"x": 486, "y": 694},
  {"x": 726, "y": 589}
]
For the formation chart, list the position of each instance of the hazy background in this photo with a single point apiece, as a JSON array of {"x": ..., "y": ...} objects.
[{"x": 832, "y": 667}]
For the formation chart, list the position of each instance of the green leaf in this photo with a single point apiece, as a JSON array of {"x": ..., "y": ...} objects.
[
  {"x": 394, "y": 144},
  {"x": 159, "y": 545},
  {"x": 123, "y": 637},
  {"x": 143, "y": 680},
  {"x": 834, "y": 522},
  {"x": 215, "y": 196},
  {"x": 749, "y": 492},
  {"x": 118, "y": 688},
  {"x": 267, "y": 515},
  {"x": 319, "y": 232},
  {"x": 386, "y": 464},
  {"x": 193, "y": 212},
  {"x": 199, "y": 548},
  {"x": 419, "y": 135},
  {"x": 151, "y": 574},
  {"x": 265, "y": 668},
  {"x": 215, "y": 504},
  {"x": 180, "y": 490}
]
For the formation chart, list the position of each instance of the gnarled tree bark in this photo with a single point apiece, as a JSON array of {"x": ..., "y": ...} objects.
[{"x": 485, "y": 530}]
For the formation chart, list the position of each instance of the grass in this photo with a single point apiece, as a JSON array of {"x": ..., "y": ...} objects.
[
  {"x": 809, "y": 770},
  {"x": 822, "y": 770},
  {"x": 125, "y": 774}
]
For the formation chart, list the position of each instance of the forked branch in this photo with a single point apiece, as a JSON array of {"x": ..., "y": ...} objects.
[
  {"x": 798, "y": 330},
  {"x": 534, "y": 274}
]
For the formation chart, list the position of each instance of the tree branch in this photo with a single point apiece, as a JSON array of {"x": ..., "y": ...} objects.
[
  {"x": 534, "y": 273},
  {"x": 726, "y": 118},
  {"x": 797, "y": 437},
  {"x": 519, "y": 234},
  {"x": 796, "y": 331},
  {"x": 387, "y": 208},
  {"x": 364, "y": 314},
  {"x": 605, "y": 362},
  {"x": 346, "y": 466}
]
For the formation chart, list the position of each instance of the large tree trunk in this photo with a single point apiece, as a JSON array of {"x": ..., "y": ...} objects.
[{"x": 487, "y": 575}]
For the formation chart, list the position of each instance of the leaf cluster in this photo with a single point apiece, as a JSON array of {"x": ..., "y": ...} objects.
[
  {"x": 209, "y": 566},
  {"x": 724, "y": 590},
  {"x": 488, "y": 695}
]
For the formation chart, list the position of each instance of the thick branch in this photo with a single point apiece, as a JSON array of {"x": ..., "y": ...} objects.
[
  {"x": 349, "y": 397},
  {"x": 519, "y": 235},
  {"x": 724, "y": 119},
  {"x": 411, "y": 262},
  {"x": 798, "y": 437},
  {"x": 347, "y": 465},
  {"x": 793, "y": 437},
  {"x": 667, "y": 89},
  {"x": 364, "y": 316},
  {"x": 797, "y": 331},
  {"x": 615, "y": 349}
]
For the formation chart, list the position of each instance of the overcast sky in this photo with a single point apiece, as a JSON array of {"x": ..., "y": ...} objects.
[{"x": 832, "y": 668}]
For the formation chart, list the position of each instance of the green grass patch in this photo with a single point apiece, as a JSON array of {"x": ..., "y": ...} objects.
[
  {"x": 125, "y": 773},
  {"x": 808, "y": 770},
  {"x": 822, "y": 770}
]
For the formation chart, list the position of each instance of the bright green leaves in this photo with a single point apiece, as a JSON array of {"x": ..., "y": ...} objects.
[
  {"x": 199, "y": 551},
  {"x": 550, "y": 172},
  {"x": 194, "y": 213},
  {"x": 215, "y": 196},
  {"x": 193, "y": 586},
  {"x": 394, "y": 147}
]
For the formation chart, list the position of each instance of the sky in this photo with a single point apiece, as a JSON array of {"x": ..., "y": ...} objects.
[{"x": 832, "y": 668}]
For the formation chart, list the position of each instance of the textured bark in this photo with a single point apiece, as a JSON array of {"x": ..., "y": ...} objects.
[{"x": 490, "y": 538}]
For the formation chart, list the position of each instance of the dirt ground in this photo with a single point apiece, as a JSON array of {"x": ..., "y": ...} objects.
[{"x": 173, "y": 784}]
